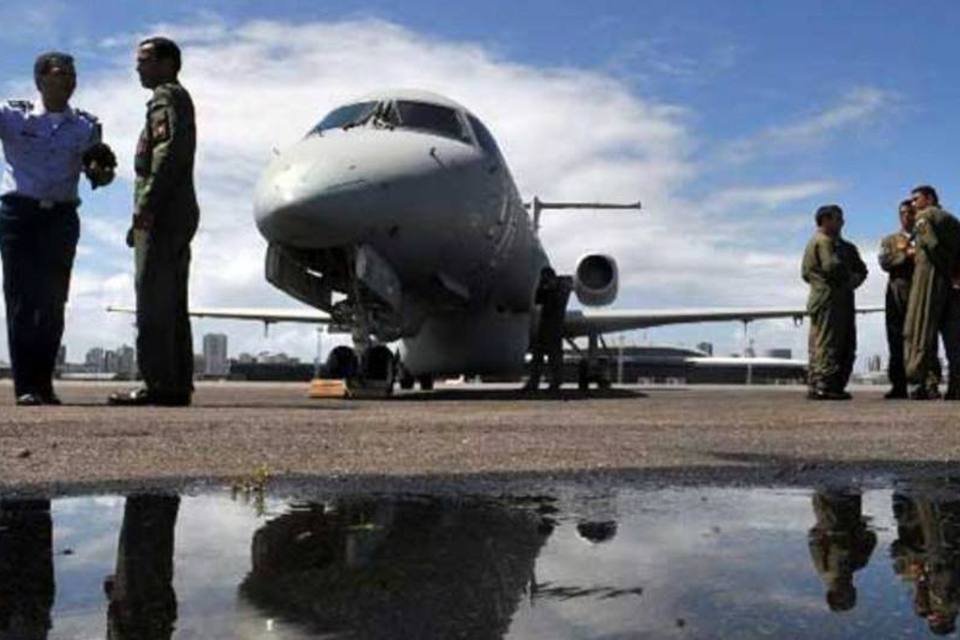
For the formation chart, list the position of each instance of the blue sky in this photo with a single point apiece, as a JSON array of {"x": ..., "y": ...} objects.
[{"x": 738, "y": 119}]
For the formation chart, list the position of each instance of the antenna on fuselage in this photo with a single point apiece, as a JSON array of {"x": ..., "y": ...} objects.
[{"x": 537, "y": 206}]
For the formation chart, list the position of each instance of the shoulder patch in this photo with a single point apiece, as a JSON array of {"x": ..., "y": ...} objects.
[
  {"x": 86, "y": 115},
  {"x": 159, "y": 126},
  {"x": 21, "y": 105}
]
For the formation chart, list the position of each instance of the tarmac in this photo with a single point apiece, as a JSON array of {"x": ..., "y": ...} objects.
[{"x": 469, "y": 437}]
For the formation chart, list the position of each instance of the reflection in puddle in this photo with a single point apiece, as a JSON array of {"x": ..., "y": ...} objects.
[{"x": 673, "y": 563}]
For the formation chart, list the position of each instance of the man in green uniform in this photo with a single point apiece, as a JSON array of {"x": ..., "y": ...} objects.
[
  {"x": 552, "y": 295},
  {"x": 897, "y": 252},
  {"x": 833, "y": 269},
  {"x": 164, "y": 221},
  {"x": 933, "y": 305},
  {"x": 840, "y": 544}
]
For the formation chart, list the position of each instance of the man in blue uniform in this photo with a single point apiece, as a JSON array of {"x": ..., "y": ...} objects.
[{"x": 46, "y": 146}]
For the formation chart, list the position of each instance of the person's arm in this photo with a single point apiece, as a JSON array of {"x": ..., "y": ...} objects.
[
  {"x": 98, "y": 159},
  {"x": 892, "y": 254},
  {"x": 857, "y": 267}
]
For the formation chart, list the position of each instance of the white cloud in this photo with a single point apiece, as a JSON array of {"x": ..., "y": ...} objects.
[
  {"x": 857, "y": 108},
  {"x": 568, "y": 133}
]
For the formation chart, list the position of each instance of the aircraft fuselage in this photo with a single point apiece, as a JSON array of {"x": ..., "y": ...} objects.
[{"x": 419, "y": 230}]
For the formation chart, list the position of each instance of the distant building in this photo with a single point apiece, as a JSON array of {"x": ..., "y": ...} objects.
[
  {"x": 111, "y": 363},
  {"x": 215, "y": 362},
  {"x": 94, "y": 360},
  {"x": 265, "y": 357},
  {"x": 783, "y": 354},
  {"x": 126, "y": 362},
  {"x": 246, "y": 358}
]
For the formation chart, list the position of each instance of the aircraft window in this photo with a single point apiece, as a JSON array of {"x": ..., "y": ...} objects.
[
  {"x": 431, "y": 117},
  {"x": 484, "y": 137},
  {"x": 346, "y": 116}
]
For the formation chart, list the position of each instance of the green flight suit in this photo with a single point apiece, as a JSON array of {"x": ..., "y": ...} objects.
[
  {"x": 899, "y": 266},
  {"x": 164, "y": 189},
  {"x": 840, "y": 544},
  {"x": 833, "y": 269},
  {"x": 932, "y": 306}
]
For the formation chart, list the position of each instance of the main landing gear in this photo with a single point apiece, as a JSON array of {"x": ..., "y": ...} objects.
[
  {"x": 593, "y": 369},
  {"x": 373, "y": 372}
]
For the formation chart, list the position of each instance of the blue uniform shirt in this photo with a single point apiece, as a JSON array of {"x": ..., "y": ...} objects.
[{"x": 44, "y": 150}]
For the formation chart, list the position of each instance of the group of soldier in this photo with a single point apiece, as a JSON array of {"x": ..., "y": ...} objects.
[
  {"x": 922, "y": 260},
  {"x": 47, "y": 146},
  {"x": 926, "y": 552}
]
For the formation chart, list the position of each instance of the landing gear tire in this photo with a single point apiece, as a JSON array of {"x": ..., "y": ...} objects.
[
  {"x": 426, "y": 382},
  {"x": 603, "y": 383}
]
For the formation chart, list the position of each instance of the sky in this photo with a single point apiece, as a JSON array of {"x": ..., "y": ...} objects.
[{"x": 731, "y": 121}]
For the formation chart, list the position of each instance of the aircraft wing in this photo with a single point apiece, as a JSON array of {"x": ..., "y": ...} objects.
[
  {"x": 586, "y": 322},
  {"x": 267, "y": 316}
]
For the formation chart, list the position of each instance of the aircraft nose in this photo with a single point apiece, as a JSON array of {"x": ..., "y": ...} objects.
[
  {"x": 309, "y": 193},
  {"x": 333, "y": 190}
]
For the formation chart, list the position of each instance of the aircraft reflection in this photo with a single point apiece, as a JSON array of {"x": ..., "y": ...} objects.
[
  {"x": 840, "y": 544},
  {"x": 143, "y": 604},
  {"x": 26, "y": 569},
  {"x": 420, "y": 569},
  {"x": 927, "y": 552}
]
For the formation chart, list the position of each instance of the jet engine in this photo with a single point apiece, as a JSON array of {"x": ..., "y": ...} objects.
[{"x": 596, "y": 280}]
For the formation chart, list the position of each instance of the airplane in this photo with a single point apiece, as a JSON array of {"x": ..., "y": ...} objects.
[{"x": 396, "y": 217}]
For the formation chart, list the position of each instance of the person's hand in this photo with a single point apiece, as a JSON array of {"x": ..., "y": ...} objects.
[
  {"x": 99, "y": 163},
  {"x": 130, "y": 237}
]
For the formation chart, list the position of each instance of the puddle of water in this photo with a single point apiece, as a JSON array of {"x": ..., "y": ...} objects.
[{"x": 673, "y": 563}]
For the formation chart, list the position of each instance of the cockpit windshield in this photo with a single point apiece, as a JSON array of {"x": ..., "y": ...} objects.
[
  {"x": 427, "y": 117},
  {"x": 346, "y": 116}
]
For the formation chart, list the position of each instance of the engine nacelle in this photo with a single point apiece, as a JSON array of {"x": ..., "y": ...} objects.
[{"x": 596, "y": 280}]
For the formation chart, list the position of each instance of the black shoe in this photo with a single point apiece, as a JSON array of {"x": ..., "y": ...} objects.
[
  {"x": 896, "y": 394},
  {"x": 922, "y": 393},
  {"x": 50, "y": 398},
  {"x": 29, "y": 400},
  {"x": 825, "y": 394},
  {"x": 137, "y": 398},
  {"x": 172, "y": 399}
]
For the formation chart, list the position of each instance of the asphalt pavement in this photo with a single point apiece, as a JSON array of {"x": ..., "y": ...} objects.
[{"x": 460, "y": 435}]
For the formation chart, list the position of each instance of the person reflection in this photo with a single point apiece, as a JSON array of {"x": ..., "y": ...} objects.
[
  {"x": 26, "y": 569},
  {"x": 142, "y": 602},
  {"x": 927, "y": 553},
  {"x": 399, "y": 569},
  {"x": 840, "y": 544}
]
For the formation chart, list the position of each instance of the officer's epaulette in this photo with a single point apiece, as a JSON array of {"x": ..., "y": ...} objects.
[
  {"x": 21, "y": 105},
  {"x": 86, "y": 115}
]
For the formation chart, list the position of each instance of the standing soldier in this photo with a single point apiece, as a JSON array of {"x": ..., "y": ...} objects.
[
  {"x": 46, "y": 147},
  {"x": 896, "y": 257},
  {"x": 553, "y": 293},
  {"x": 840, "y": 544},
  {"x": 933, "y": 306},
  {"x": 833, "y": 268},
  {"x": 165, "y": 219}
]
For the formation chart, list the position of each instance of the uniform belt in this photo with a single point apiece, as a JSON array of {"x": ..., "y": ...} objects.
[{"x": 45, "y": 205}]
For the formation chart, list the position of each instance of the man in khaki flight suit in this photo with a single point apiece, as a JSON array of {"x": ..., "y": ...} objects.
[
  {"x": 933, "y": 306},
  {"x": 164, "y": 221},
  {"x": 833, "y": 268},
  {"x": 897, "y": 253}
]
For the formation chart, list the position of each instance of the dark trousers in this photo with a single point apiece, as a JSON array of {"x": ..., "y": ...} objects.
[
  {"x": 37, "y": 246},
  {"x": 164, "y": 338}
]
